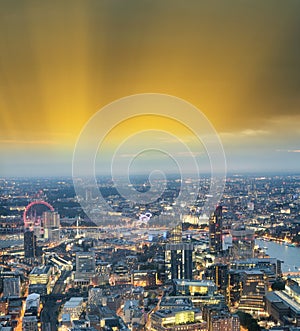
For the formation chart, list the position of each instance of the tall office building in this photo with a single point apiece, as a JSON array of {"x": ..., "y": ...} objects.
[
  {"x": 32, "y": 311},
  {"x": 219, "y": 274},
  {"x": 51, "y": 219},
  {"x": 178, "y": 256},
  {"x": 179, "y": 260},
  {"x": 215, "y": 231},
  {"x": 51, "y": 223},
  {"x": 29, "y": 244},
  {"x": 32, "y": 305},
  {"x": 254, "y": 288}
]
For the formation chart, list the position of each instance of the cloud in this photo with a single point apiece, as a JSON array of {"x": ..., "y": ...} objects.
[
  {"x": 184, "y": 154},
  {"x": 251, "y": 132},
  {"x": 28, "y": 142},
  {"x": 288, "y": 150},
  {"x": 245, "y": 133}
]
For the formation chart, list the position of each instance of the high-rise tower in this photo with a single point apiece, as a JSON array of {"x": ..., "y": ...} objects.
[
  {"x": 215, "y": 231},
  {"x": 179, "y": 260},
  {"x": 51, "y": 223},
  {"x": 29, "y": 244},
  {"x": 178, "y": 256}
]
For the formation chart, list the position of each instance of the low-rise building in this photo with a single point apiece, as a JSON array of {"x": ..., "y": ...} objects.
[
  {"x": 194, "y": 287},
  {"x": 218, "y": 318},
  {"x": 144, "y": 278},
  {"x": 178, "y": 320},
  {"x": 282, "y": 308},
  {"x": 11, "y": 287},
  {"x": 73, "y": 308},
  {"x": 41, "y": 276},
  {"x": 29, "y": 323}
]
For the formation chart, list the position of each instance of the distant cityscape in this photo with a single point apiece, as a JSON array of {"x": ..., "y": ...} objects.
[{"x": 160, "y": 266}]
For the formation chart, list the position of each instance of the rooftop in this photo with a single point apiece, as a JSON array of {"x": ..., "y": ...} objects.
[
  {"x": 253, "y": 272},
  {"x": 167, "y": 312},
  {"x": 40, "y": 270},
  {"x": 175, "y": 301},
  {"x": 187, "y": 282},
  {"x": 73, "y": 302}
]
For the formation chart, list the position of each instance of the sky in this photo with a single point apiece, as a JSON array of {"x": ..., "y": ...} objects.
[{"x": 61, "y": 62}]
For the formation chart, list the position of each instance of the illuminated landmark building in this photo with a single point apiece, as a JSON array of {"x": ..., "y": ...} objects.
[
  {"x": 195, "y": 287},
  {"x": 29, "y": 244},
  {"x": 178, "y": 320},
  {"x": 39, "y": 280},
  {"x": 215, "y": 231}
]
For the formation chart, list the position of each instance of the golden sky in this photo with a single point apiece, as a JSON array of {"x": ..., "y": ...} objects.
[{"x": 61, "y": 61}]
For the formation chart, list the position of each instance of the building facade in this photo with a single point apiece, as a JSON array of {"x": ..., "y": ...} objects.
[
  {"x": 179, "y": 260},
  {"x": 29, "y": 244},
  {"x": 11, "y": 287},
  {"x": 242, "y": 243},
  {"x": 215, "y": 231}
]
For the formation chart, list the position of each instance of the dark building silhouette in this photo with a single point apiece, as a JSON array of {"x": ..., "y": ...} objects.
[
  {"x": 215, "y": 231},
  {"x": 178, "y": 256},
  {"x": 29, "y": 244},
  {"x": 179, "y": 260},
  {"x": 219, "y": 274}
]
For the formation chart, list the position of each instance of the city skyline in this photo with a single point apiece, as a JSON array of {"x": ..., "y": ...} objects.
[
  {"x": 133, "y": 266},
  {"x": 237, "y": 62}
]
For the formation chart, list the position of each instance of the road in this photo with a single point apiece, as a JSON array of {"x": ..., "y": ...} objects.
[
  {"x": 49, "y": 314},
  {"x": 60, "y": 286},
  {"x": 52, "y": 303}
]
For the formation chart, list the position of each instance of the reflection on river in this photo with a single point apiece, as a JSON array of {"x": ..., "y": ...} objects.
[
  {"x": 288, "y": 254},
  {"x": 7, "y": 241}
]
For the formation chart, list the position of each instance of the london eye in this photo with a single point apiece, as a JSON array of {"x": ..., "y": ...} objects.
[{"x": 33, "y": 212}]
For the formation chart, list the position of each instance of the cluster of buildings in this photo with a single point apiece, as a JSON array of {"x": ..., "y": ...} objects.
[
  {"x": 204, "y": 274},
  {"x": 47, "y": 230}
]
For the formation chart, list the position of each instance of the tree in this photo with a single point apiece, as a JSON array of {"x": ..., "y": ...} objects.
[
  {"x": 279, "y": 285},
  {"x": 248, "y": 322}
]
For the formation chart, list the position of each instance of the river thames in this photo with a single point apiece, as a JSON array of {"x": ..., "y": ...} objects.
[{"x": 288, "y": 254}]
